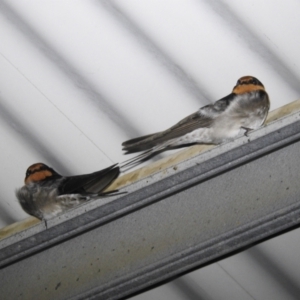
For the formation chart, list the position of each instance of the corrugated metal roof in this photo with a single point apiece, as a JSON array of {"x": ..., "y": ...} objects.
[{"x": 80, "y": 77}]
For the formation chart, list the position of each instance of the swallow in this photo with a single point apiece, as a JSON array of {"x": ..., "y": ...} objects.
[
  {"x": 245, "y": 109},
  {"x": 47, "y": 193}
]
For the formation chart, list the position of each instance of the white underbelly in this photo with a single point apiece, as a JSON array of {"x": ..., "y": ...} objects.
[{"x": 224, "y": 129}]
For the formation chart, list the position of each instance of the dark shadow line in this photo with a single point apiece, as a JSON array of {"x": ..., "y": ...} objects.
[
  {"x": 235, "y": 281},
  {"x": 257, "y": 45},
  {"x": 189, "y": 290},
  {"x": 30, "y": 139},
  {"x": 194, "y": 88},
  {"x": 70, "y": 71},
  {"x": 282, "y": 278}
]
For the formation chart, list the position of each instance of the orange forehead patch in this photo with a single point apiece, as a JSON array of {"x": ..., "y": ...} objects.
[
  {"x": 38, "y": 176},
  {"x": 245, "y": 88}
]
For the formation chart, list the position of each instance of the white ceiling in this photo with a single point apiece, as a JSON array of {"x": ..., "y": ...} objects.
[{"x": 80, "y": 77}]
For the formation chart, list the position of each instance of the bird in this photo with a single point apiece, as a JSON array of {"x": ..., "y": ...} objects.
[
  {"x": 47, "y": 194},
  {"x": 245, "y": 109}
]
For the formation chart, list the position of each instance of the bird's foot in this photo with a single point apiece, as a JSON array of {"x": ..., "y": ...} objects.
[
  {"x": 45, "y": 221},
  {"x": 246, "y": 133}
]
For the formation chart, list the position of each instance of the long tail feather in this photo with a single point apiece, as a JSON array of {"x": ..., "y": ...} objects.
[
  {"x": 132, "y": 162},
  {"x": 111, "y": 193}
]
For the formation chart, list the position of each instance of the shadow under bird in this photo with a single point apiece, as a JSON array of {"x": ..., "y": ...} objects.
[
  {"x": 47, "y": 193},
  {"x": 245, "y": 109}
]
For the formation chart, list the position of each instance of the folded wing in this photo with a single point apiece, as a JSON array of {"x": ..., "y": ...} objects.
[
  {"x": 93, "y": 183},
  {"x": 200, "y": 119}
]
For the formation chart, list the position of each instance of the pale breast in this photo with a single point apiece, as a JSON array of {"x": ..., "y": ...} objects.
[{"x": 44, "y": 203}]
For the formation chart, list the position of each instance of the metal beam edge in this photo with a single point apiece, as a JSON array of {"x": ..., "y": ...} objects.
[
  {"x": 149, "y": 190},
  {"x": 211, "y": 251}
]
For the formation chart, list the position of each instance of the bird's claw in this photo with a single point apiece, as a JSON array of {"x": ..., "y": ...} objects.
[{"x": 246, "y": 133}]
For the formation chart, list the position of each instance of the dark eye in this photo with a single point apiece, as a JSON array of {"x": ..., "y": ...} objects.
[{"x": 254, "y": 81}]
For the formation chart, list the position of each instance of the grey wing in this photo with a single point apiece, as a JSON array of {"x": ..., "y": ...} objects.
[
  {"x": 186, "y": 125},
  {"x": 154, "y": 143},
  {"x": 202, "y": 118},
  {"x": 218, "y": 107}
]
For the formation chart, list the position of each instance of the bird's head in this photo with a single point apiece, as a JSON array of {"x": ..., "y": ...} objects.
[
  {"x": 247, "y": 84},
  {"x": 39, "y": 172}
]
